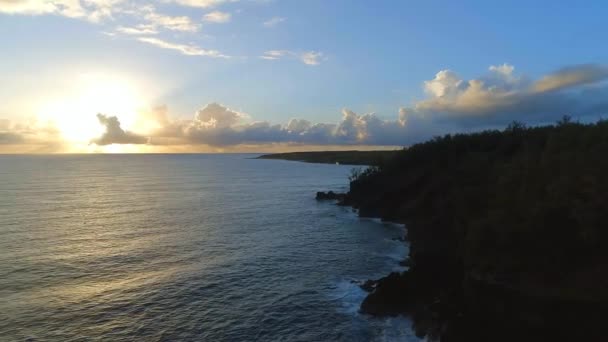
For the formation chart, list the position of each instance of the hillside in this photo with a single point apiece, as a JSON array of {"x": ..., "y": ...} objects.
[{"x": 507, "y": 231}]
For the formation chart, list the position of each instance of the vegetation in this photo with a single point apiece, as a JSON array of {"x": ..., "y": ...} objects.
[
  {"x": 332, "y": 157},
  {"x": 521, "y": 212}
]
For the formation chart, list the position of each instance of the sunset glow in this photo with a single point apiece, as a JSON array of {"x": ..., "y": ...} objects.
[
  {"x": 234, "y": 75},
  {"x": 74, "y": 112}
]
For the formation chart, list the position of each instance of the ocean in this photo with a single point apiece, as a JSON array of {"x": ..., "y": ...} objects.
[{"x": 186, "y": 248}]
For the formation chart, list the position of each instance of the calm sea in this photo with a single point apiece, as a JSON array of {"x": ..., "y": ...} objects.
[{"x": 185, "y": 248}]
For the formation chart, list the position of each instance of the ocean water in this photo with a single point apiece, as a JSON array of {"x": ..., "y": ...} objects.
[{"x": 185, "y": 248}]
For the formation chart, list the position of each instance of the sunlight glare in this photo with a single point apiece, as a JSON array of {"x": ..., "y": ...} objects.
[{"x": 74, "y": 113}]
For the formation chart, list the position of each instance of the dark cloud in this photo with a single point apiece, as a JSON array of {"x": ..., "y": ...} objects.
[
  {"x": 11, "y": 138},
  {"x": 114, "y": 134},
  {"x": 216, "y": 125},
  {"x": 29, "y": 136}
]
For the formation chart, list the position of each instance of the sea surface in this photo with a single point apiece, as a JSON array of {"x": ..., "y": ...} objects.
[{"x": 186, "y": 248}]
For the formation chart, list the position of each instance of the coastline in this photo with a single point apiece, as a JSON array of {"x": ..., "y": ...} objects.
[
  {"x": 355, "y": 158},
  {"x": 441, "y": 310},
  {"x": 505, "y": 231}
]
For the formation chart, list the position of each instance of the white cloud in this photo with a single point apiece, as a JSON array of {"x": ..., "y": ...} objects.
[
  {"x": 179, "y": 23},
  {"x": 275, "y": 54},
  {"x": 217, "y": 17},
  {"x": 445, "y": 83},
  {"x": 215, "y": 115},
  {"x": 91, "y": 10},
  {"x": 308, "y": 58},
  {"x": 203, "y": 3},
  {"x": 138, "y": 30},
  {"x": 272, "y": 22},
  {"x": 501, "y": 96},
  {"x": 311, "y": 57},
  {"x": 31, "y": 7},
  {"x": 189, "y": 50}
]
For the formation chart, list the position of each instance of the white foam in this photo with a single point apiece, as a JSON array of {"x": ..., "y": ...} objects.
[
  {"x": 387, "y": 223},
  {"x": 397, "y": 329},
  {"x": 350, "y": 295}
]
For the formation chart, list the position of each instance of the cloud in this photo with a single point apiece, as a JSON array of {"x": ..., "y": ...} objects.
[
  {"x": 572, "y": 76},
  {"x": 311, "y": 57},
  {"x": 114, "y": 134},
  {"x": 217, "y": 125},
  {"x": 91, "y": 10},
  {"x": 217, "y": 17},
  {"x": 180, "y": 23},
  {"x": 189, "y": 50},
  {"x": 308, "y": 58},
  {"x": 29, "y": 136},
  {"x": 10, "y": 138},
  {"x": 138, "y": 30},
  {"x": 215, "y": 115},
  {"x": 141, "y": 18},
  {"x": 275, "y": 54},
  {"x": 203, "y": 3},
  {"x": 452, "y": 104},
  {"x": 274, "y": 21},
  {"x": 502, "y": 96},
  {"x": 31, "y": 7}
]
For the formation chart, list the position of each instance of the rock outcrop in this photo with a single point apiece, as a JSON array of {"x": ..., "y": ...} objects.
[{"x": 330, "y": 195}]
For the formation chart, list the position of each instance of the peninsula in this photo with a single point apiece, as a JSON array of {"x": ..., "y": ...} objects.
[{"x": 372, "y": 158}]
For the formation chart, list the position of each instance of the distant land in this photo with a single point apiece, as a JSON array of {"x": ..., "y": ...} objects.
[{"x": 372, "y": 158}]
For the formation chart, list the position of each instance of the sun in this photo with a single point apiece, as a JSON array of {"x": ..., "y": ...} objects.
[{"x": 74, "y": 111}]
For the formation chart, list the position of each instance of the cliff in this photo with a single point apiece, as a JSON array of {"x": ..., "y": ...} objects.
[{"x": 507, "y": 233}]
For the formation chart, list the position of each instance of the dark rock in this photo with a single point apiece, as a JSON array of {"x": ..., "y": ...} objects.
[
  {"x": 330, "y": 195},
  {"x": 369, "y": 212},
  {"x": 390, "y": 297},
  {"x": 369, "y": 285},
  {"x": 406, "y": 263}
]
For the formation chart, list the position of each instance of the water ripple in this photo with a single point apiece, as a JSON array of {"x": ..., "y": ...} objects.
[{"x": 184, "y": 248}]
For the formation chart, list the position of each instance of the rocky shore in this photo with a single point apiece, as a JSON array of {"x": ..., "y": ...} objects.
[
  {"x": 330, "y": 196},
  {"x": 506, "y": 231},
  {"x": 447, "y": 305}
]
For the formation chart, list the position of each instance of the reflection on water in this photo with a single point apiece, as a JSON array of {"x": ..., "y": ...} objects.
[{"x": 183, "y": 247}]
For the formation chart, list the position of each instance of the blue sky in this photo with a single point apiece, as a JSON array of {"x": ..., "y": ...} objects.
[{"x": 274, "y": 60}]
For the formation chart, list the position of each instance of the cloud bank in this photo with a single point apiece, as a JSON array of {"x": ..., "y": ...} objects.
[
  {"x": 452, "y": 105},
  {"x": 502, "y": 96},
  {"x": 30, "y": 136}
]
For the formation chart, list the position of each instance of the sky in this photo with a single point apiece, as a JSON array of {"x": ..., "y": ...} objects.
[{"x": 280, "y": 75}]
